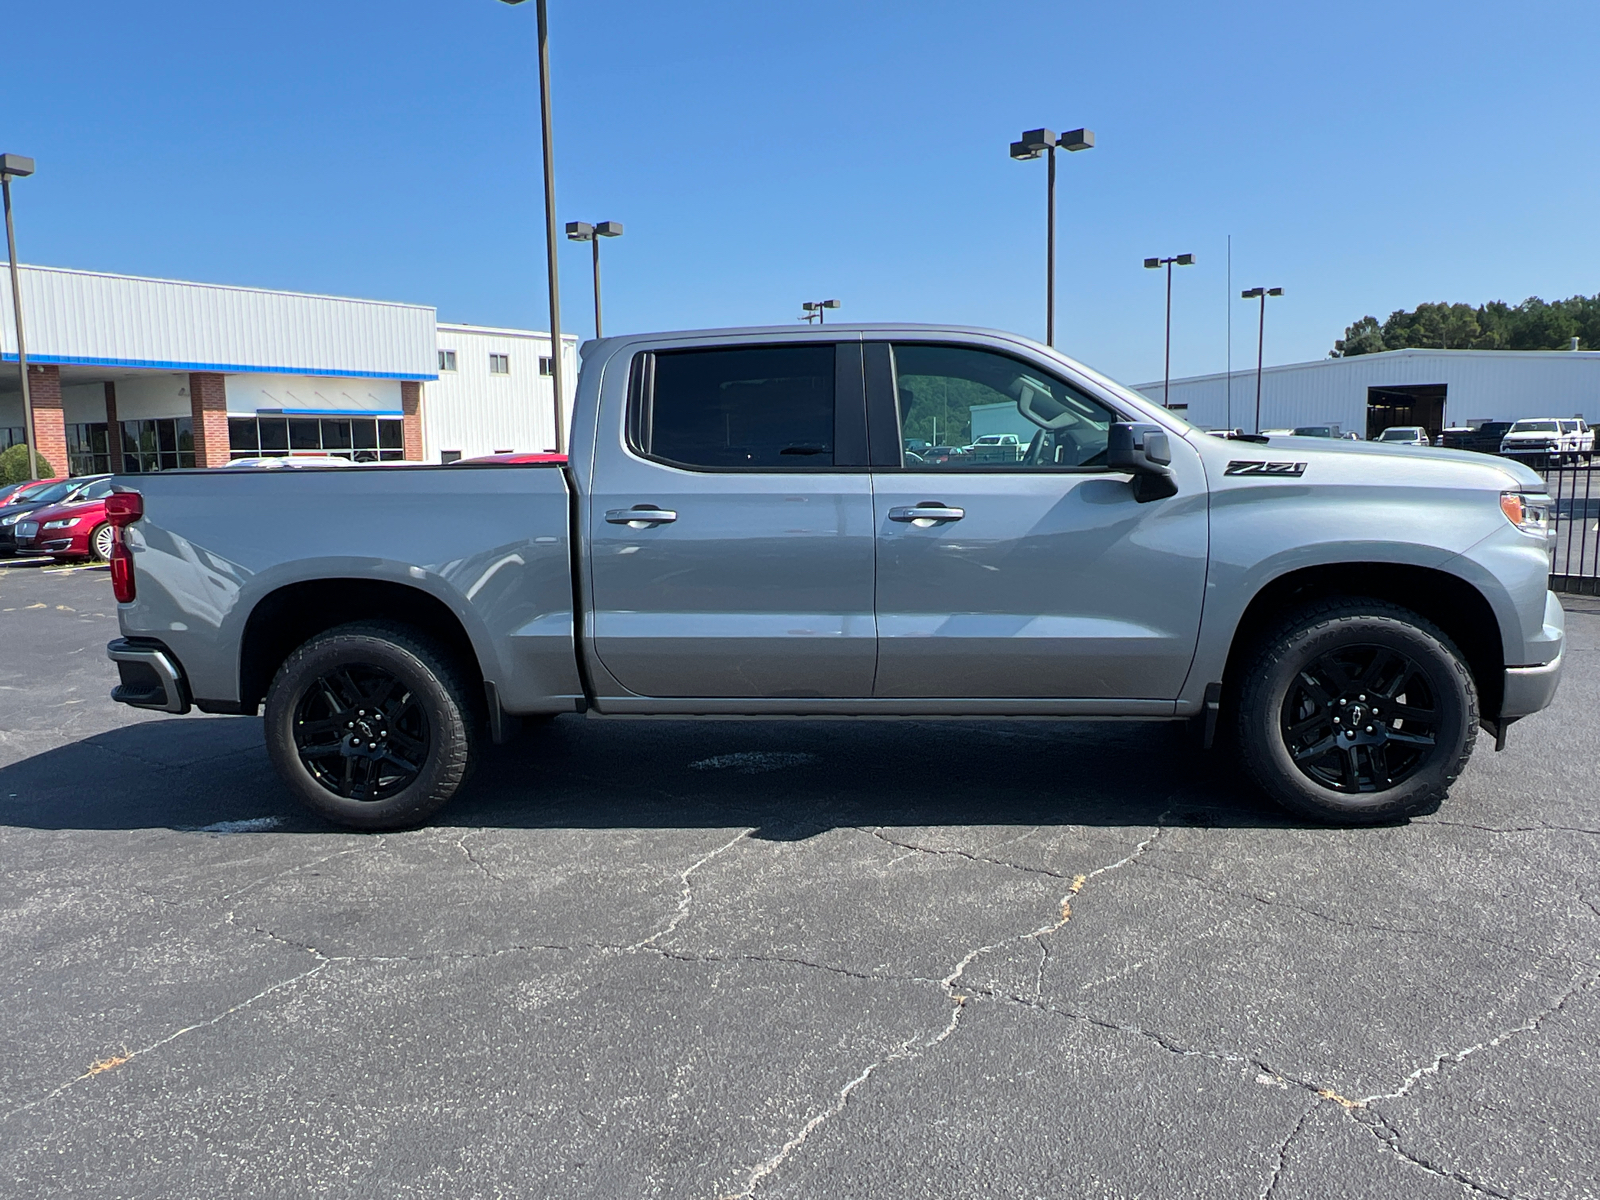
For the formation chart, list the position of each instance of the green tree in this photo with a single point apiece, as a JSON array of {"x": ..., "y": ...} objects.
[
  {"x": 1364, "y": 337},
  {"x": 1534, "y": 324},
  {"x": 14, "y": 465}
]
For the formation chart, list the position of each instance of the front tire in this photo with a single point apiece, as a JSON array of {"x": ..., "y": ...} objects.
[
  {"x": 1356, "y": 712},
  {"x": 370, "y": 726},
  {"x": 100, "y": 542}
]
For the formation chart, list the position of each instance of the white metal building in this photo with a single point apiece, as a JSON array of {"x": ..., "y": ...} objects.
[
  {"x": 1432, "y": 388},
  {"x": 493, "y": 392},
  {"x": 134, "y": 374}
]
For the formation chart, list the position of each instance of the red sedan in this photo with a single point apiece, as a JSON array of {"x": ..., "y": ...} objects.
[{"x": 76, "y": 529}]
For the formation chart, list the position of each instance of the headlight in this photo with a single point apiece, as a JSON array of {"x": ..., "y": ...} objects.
[
  {"x": 64, "y": 523},
  {"x": 1527, "y": 511},
  {"x": 12, "y": 519}
]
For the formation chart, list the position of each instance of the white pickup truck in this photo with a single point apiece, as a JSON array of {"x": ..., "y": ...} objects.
[{"x": 1549, "y": 440}]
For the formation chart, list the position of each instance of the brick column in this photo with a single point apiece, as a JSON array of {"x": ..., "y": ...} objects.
[
  {"x": 113, "y": 428},
  {"x": 208, "y": 407},
  {"x": 411, "y": 408},
  {"x": 49, "y": 422}
]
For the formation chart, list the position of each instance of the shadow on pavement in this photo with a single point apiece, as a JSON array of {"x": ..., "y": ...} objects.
[{"x": 789, "y": 779}]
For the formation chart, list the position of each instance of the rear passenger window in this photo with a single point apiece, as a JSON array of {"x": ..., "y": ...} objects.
[{"x": 739, "y": 407}]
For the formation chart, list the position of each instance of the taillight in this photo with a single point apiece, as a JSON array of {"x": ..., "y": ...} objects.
[
  {"x": 124, "y": 508},
  {"x": 121, "y": 570}
]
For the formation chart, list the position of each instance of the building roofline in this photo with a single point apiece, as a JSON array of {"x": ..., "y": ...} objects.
[
  {"x": 502, "y": 331},
  {"x": 223, "y": 287},
  {"x": 1385, "y": 355}
]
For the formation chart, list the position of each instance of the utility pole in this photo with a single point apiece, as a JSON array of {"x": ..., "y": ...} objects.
[
  {"x": 16, "y": 166},
  {"x": 1261, "y": 337}
]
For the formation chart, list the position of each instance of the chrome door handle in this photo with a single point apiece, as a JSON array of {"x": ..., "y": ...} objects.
[
  {"x": 640, "y": 516},
  {"x": 926, "y": 512}
]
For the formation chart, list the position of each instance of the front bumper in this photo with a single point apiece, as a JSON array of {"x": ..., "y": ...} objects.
[
  {"x": 1530, "y": 689},
  {"x": 151, "y": 676}
]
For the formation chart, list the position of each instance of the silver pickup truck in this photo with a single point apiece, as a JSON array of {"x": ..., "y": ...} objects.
[{"x": 740, "y": 529}]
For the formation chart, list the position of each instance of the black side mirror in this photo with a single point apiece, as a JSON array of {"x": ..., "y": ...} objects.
[{"x": 1144, "y": 451}]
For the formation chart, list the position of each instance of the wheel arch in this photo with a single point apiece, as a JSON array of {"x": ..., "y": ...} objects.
[
  {"x": 1452, "y": 603},
  {"x": 288, "y": 616}
]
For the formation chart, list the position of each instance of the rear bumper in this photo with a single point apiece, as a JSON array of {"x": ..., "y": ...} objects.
[
  {"x": 151, "y": 676},
  {"x": 1530, "y": 689}
]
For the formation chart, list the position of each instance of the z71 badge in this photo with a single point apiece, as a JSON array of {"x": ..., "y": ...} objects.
[{"x": 1241, "y": 466}]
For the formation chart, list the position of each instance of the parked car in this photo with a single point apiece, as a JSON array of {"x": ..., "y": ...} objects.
[
  {"x": 940, "y": 456},
  {"x": 1485, "y": 439},
  {"x": 76, "y": 528},
  {"x": 32, "y": 496},
  {"x": 1583, "y": 438},
  {"x": 1327, "y": 431},
  {"x": 295, "y": 462},
  {"x": 1404, "y": 435},
  {"x": 512, "y": 458},
  {"x": 1541, "y": 440},
  {"x": 11, "y": 489},
  {"x": 686, "y": 562},
  {"x": 996, "y": 448}
]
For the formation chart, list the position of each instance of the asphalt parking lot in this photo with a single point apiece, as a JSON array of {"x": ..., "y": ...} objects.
[{"x": 797, "y": 959}]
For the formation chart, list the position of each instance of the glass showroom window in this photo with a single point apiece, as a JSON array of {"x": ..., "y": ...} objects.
[
  {"x": 89, "y": 448},
  {"x": 12, "y": 435},
  {"x": 157, "y": 445},
  {"x": 360, "y": 439}
]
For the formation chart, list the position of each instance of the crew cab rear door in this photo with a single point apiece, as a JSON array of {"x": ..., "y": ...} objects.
[
  {"x": 730, "y": 524},
  {"x": 1043, "y": 578}
]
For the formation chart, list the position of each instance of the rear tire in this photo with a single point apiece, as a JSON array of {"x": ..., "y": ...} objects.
[
  {"x": 370, "y": 726},
  {"x": 1355, "y": 712}
]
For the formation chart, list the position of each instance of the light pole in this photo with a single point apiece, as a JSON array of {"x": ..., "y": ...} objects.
[
  {"x": 815, "y": 308},
  {"x": 1034, "y": 143},
  {"x": 1261, "y": 337},
  {"x": 582, "y": 231},
  {"x": 16, "y": 166},
  {"x": 1183, "y": 260},
  {"x": 556, "y": 364}
]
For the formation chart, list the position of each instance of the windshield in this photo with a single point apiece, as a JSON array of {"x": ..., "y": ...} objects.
[
  {"x": 44, "y": 492},
  {"x": 1535, "y": 427},
  {"x": 1397, "y": 435}
]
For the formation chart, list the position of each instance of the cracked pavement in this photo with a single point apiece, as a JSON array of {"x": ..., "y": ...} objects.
[{"x": 780, "y": 959}]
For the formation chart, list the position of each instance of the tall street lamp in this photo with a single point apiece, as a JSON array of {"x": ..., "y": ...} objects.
[
  {"x": 1034, "y": 143},
  {"x": 556, "y": 364},
  {"x": 582, "y": 231},
  {"x": 15, "y": 166},
  {"x": 1183, "y": 260},
  {"x": 815, "y": 308},
  {"x": 1261, "y": 337}
]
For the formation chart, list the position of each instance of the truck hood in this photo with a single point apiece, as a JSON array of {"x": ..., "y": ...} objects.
[{"x": 1487, "y": 466}]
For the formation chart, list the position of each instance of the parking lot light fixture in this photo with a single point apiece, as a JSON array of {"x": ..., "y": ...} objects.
[
  {"x": 1261, "y": 294},
  {"x": 1182, "y": 260},
  {"x": 557, "y": 366},
  {"x": 582, "y": 231},
  {"x": 17, "y": 166},
  {"x": 817, "y": 309},
  {"x": 1032, "y": 144}
]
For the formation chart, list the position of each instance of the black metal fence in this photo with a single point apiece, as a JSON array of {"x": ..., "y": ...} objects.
[{"x": 1575, "y": 563}]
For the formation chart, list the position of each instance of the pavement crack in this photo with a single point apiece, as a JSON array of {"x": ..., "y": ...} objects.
[
  {"x": 102, "y": 1066},
  {"x": 686, "y": 899},
  {"x": 952, "y": 986},
  {"x": 954, "y": 853},
  {"x": 1283, "y": 1154},
  {"x": 1507, "y": 828},
  {"x": 466, "y": 850},
  {"x": 1389, "y": 1137}
]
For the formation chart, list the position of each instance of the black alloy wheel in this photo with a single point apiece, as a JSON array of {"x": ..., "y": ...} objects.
[
  {"x": 374, "y": 725},
  {"x": 1353, "y": 710},
  {"x": 1360, "y": 719},
  {"x": 361, "y": 733}
]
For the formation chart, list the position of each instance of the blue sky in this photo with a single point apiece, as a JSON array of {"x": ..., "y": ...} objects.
[{"x": 1364, "y": 157}]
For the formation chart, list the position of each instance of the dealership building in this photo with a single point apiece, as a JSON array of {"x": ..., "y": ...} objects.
[
  {"x": 131, "y": 374},
  {"x": 1367, "y": 393}
]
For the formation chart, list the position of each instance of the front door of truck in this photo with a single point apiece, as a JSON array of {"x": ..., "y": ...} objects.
[
  {"x": 1033, "y": 575},
  {"x": 730, "y": 526}
]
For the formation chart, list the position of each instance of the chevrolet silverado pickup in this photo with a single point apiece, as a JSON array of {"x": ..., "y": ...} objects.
[{"x": 739, "y": 530}]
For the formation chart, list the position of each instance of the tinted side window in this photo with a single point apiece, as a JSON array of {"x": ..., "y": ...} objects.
[
  {"x": 761, "y": 406},
  {"x": 976, "y": 409}
]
